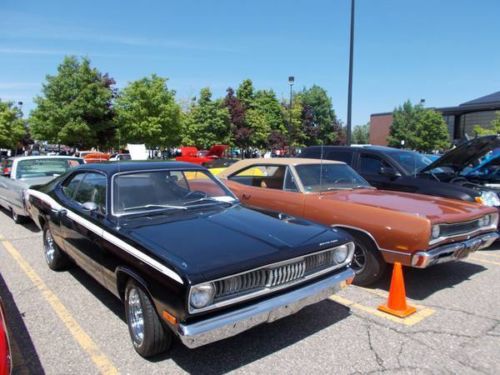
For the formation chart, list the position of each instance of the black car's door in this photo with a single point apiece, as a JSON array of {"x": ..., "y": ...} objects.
[{"x": 80, "y": 226}]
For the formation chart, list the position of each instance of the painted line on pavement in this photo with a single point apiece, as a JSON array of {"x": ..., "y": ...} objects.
[
  {"x": 104, "y": 365},
  {"x": 476, "y": 259},
  {"x": 422, "y": 311}
]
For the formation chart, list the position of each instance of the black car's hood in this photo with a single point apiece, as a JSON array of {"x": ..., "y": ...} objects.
[
  {"x": 461, "y": 156},
  {"x": 212, "y": 244}
]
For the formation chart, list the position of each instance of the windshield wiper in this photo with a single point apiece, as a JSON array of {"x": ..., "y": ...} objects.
[
  {"x": 349, "y": 187},
  {"x": 206, "y": 199},
  {"x": 168, "y": 206}
]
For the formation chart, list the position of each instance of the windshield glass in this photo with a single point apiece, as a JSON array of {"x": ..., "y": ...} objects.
[
  {"x": 324, "y": 177},
  {"x": 31, "y": 168},
  {"x": 166, "y": 190},
  {"x": 411, "y": 161}
]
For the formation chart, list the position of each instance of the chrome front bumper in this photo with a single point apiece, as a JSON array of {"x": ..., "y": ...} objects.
[
  {"x": 267, "y": 311},
  {"x": 453, "y": 251}
]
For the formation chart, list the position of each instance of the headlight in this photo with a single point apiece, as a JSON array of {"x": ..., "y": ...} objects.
[
  {"x": 490, "y": 198},
  {"x": 487, "y": 220},
  {"x": 340, "y": 254},
  {"x": 202, "y": 295},
  {"x": 436, "y": 231}
]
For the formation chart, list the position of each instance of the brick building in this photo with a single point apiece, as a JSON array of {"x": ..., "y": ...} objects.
[{"x": 460, "y": 119}]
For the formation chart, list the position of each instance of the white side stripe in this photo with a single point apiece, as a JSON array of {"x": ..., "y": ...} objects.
[{"x": 109, "y": 237}]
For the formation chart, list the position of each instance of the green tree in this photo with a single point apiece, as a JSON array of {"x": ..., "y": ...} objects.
[
  {"x": 12, "y": 128},
  {"x": 146, "y": 112},
  {"x": 319, "y": 117},
  {"x": 207, "y": 122},
  {"x": 494, "y": 129},
  {"x": 246, "y": 93},
  {"x": 265, "y": 116},
  {"x": 75, "y": 106},
  {"x": 361, "y": 134},
  {"x": 421, "y": 129},
  {"x": 296, "y": 133}
]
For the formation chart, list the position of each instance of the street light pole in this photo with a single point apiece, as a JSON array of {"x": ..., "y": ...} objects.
[
  {"x": 349, "y": 93},
  {"x": 291, "y": 80}
]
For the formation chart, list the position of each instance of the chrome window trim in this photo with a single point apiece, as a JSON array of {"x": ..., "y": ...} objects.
[{"x": 267, "y": 290}]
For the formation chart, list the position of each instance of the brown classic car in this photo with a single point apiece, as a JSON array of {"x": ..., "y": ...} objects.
[{"x": 416, "y": 230}]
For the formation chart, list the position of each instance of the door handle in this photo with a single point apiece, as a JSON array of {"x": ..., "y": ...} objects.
[{"x": 246, "y": 196}]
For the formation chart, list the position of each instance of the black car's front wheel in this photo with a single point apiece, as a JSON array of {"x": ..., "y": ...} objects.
[
  {"x": 367, "y": 263},
  {"x": 55, "y": 258},
  {"x": 148, "y": 335}
]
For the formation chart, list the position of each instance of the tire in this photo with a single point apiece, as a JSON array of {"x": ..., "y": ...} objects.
[
  {"x": 147, "y": 333},
  {"x": 18, "y": 219},
  {"x": 55, "y": 258},
  {"x": 367, "y": 262}
]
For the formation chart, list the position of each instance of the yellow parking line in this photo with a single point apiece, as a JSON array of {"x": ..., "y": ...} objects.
[
  {"x": 476, "y": 259},
  {"x": 422, "y": 311},
  {"x": 104, "y": 365}
]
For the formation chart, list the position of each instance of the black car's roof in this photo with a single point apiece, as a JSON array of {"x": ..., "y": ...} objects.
[{"x": 131, "y": 166}]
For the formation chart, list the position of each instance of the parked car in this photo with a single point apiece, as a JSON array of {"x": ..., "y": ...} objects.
[
  {"x": 193, "y": 155},
  {"x": 403, "y": 170},
  {"x": 413, "y": 229},
  {"x": 183, "y": 255},
  {"x": 120, "y": 157},
  {"x": 19, "y": 173},
  {"x": 5, "y": 353},
  {"x": 95, "y": 157}
]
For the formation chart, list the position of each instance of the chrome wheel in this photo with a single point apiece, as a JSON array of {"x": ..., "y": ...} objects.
[
  {"x": 359, "y": 259},
  {"x": 135, "y": 316},
  {"x": 50, "y": 247}
]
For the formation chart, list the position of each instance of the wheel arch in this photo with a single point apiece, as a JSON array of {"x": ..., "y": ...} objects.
[
  {"x": 355, "y": 231},
  {"x": 123, "y": 274}
]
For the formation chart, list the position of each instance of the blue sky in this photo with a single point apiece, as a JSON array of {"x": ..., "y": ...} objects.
[{"x": 446, "y": 51}]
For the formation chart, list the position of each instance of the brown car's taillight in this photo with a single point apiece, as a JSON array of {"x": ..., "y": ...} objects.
[{"x": 5, "y": 358}]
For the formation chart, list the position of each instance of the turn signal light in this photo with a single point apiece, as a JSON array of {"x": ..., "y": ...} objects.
[{"x": 169, "y": 317}]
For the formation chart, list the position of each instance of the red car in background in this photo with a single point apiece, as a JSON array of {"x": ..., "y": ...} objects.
[
  {"x": 193, "y": 155},
  {"x": 5, "y": 356}
]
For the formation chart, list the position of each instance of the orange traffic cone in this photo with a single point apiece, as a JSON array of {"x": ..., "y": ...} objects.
[{"x": 396, "y": 303}]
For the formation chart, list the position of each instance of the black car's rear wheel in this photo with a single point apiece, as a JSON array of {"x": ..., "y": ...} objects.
[
  {"x": 367, "y": 262},
  {"x": 148, "y": 335},
  {"x": 56, "y": 259}
]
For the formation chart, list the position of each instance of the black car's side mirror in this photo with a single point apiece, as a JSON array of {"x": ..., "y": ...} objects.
[
  {"x": 389, "y": 172},
  {"x": 90, "y": 206}
]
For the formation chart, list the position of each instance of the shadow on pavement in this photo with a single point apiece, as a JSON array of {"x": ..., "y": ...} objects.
[
  {"x": 24, "y": 356},
  {"x": 259, "y": 342},
  {"x": 421, "y": 283},
  {"x": 234, "y": 352},
  {"x": 28, "y": 224}
]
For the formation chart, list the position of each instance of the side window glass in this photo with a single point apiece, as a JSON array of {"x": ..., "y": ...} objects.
[
  {"x": 289, "y": 181},
  {"x": 371, "y": 164},
  {"x": 263, "y": 176},
  {"x": 344, "y": 156},
  {"x": 92, "y": 189},
  {"x": 69, "y": 186}
]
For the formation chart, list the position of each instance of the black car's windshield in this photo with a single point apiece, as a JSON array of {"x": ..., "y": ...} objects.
[
  {"x": 411, "y": 161},
  {"x": 324, "y": 177},
  {"x": 166, "y": 190},
  {"x": 32, "y": 168}
]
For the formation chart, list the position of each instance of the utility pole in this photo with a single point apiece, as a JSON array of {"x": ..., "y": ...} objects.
[
  {"x": 349, "y": 93},
  {"x": 291, "y": 80}
]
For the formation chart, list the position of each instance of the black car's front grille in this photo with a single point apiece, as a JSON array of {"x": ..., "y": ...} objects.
[
  {"x": 459, "y": 228},
  {"x": 274, "y": 276}
]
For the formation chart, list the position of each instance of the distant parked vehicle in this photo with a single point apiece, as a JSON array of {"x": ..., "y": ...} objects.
[
  {"x": 20, "y": 173},
  {"x": 118, "y": 157},
  {"x": 193, "y": 155},
  {"x": 95, "y": 157}
]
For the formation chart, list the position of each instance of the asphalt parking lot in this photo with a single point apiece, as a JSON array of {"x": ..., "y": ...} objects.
[{"x": 65, "y": 323}]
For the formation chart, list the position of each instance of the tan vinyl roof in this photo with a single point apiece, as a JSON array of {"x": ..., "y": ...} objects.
[{"x": 275, "y": 161}]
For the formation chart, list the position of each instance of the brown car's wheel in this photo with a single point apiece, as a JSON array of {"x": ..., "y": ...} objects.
[
  {"x": 146, "y": 330},
  {"x": 367, "y": 262},
  {"x": 56, "y": 259}
]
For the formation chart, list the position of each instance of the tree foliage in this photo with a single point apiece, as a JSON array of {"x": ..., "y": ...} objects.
[
  {"x": 12, "y": 129},
  {"x": 75, "y": 107},
  {"x": 421, "y": 129},
  {"x": 207, "y": 122},
  {"x": 295, "y": 128},
  {"x": 319, "y": 117},
  {"x": 492, "y": 130},
  {"x": 240, "y": 132},
  {"x": 146, "y": 112},
  {"x": 246, "y": 93},
  {"x": 361, "y": 134}
]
